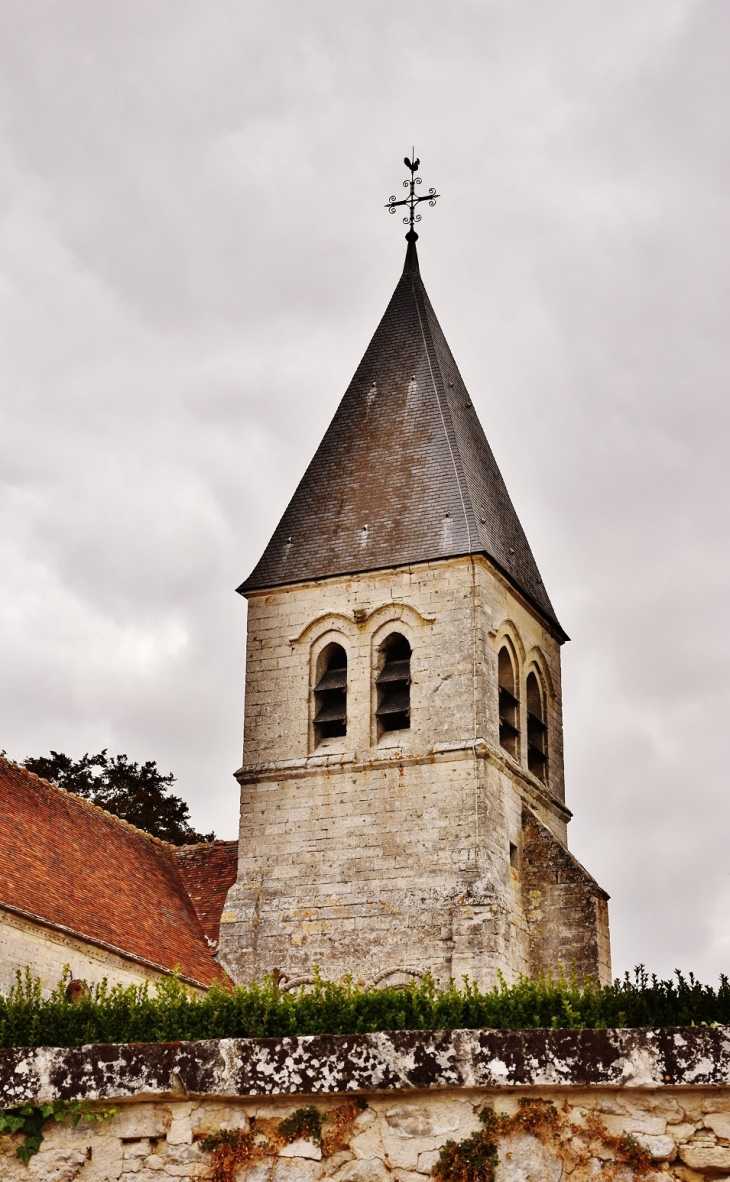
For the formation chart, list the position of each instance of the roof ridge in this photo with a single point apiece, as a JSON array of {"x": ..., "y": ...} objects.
[
  {"x": 89, "y": 804},
  {"x": 422, "y": 307},
  {"x": 527, "y": 581},
  {"x": 197, "y": 845}
]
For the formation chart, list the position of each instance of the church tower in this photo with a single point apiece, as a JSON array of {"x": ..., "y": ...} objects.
[{"x": 402, "y": 794}]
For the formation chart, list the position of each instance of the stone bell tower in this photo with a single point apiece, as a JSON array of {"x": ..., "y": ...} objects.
[{"x": 402, "y": 795}]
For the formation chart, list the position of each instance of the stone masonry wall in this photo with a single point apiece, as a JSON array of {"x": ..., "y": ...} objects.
[
  {"x": 389, "y": 1104},
  {"x": 401, "y": 853},
  {"x": 565, "y": 909},
  {"x": 48, "y": 951}
]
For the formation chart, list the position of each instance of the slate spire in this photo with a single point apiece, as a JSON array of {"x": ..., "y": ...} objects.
[{"x": 404, "y": 473}]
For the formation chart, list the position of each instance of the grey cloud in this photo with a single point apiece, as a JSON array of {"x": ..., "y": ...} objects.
[{"x": 193, "y": 255}]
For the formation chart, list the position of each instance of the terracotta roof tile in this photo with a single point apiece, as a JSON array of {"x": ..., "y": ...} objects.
[
  {"x": 72, "y": 864},
  {"x": 209, "y": 870}
]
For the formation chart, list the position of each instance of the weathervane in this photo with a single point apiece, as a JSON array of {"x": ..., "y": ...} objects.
[{"x": 413, "y": 199}]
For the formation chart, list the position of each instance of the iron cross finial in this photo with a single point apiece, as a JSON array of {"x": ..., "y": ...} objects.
[{"x": 413, "y": 199}]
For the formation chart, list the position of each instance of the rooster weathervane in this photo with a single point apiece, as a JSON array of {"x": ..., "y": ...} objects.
[{"x": 413, "y": 199}]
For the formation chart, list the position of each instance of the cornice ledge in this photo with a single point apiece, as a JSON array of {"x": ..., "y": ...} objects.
[
  {"x": 663, "y": 1059},
  {"x": 288, "y": 769},
  {"x": 534, "y": 787}
]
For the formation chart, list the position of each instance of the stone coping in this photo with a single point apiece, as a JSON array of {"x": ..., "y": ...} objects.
[{"x": 384, "y": 1062}]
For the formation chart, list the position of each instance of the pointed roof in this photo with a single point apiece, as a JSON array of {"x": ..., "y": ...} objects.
[{"x": 404, "y": 473}]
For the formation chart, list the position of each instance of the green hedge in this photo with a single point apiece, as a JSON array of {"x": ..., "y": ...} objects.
[{"x": 169, "y": 1012}]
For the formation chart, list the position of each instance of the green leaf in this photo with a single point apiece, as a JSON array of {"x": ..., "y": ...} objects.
[
  {"x": 11, "y": 1124},
  {"x": 30, "y": 1147}
]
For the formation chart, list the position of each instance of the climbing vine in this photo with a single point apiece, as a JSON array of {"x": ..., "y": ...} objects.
[
  {"x": 230, "y": 1149},
  {"x": 233, "y": 1148},
  {"x": 304, "y": 1123},
  {"x": 475, "y": 1159},
  {"x": 28, "y": 1120}
]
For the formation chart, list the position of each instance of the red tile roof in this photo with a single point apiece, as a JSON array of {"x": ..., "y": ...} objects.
[
  {"x": 76, "y": 866},
  {"x": 208, "y": 871}
]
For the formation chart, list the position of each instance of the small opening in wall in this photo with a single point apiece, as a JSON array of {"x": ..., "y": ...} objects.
[
  {"x": 330, "y": 693},
  {"x": 509, "y": 705},
  {"x": 536, "y": 729},
  {"x": 514, "y": 856},
  {"x": 393, "y": 683}
]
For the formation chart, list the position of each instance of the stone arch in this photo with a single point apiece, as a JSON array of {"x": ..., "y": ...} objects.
[
  {"x": 393, "y": 613},
  {"x": 396, "y": 977},
  {"x": 286, "y": 984},
  {"x": 535, "y": 658},
  {"x": 334, "y": 621},
  {"x": 331, "y": 635},
  {"x": 393, "y": 624},
  {"x": 509, "y": 630}
]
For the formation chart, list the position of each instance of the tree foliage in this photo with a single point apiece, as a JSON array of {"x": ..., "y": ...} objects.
[{"x": 137, "y": 792}]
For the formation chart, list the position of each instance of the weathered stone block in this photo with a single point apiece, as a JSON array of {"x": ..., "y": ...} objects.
[
  {"x": 209, "y": 1118},
  {"x": 141, "y": 1120},
  {"x": 525, "y": 1159},
  {"x": 714, "y": 1158},
  {"x": 141, "y": 1175},
  {"x": 715, "y": 1104},
  {"x": 363, "y": 1170},
  {"x": 635, "y": 1123},
  {"x": 682, "y": 1131},
  {"x": 135, "y": 1151},
  {"x": 719, "y": 1122},
  {"x": 658, "y": 1148},
  {"x": 296, "y": 1169},
  {"x": 56, "y": 1165},
  {"x": 180, "y": 1131},
  {"x": 302, "y": 1148},
  {"x": 427, "y": 1160},
  {"x": 183, "y": 1155},
  {"x": 685, "y": 1174},
  {"x": 412, "y": 1121}
]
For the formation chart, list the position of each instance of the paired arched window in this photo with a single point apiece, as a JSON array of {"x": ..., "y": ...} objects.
[
  {"x": 509, "y": 714},
  {"x": 509, "y": 705},
  {"x": 536, "y": 728},
  {"x": 330, "y": 693},
  {"x": 393, "y": 683}
]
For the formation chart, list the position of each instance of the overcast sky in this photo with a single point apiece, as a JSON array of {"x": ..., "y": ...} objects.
[{"x": 194, "y": 254}]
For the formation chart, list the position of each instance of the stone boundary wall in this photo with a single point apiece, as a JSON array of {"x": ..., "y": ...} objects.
[{"x": 393, "y": 1101}]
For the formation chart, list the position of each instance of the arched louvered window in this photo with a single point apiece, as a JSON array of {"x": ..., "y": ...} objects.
[
  {"x": 393, "y": 683},
  {"x": 536, "y": 729},
  {"x": 330, "y": 693},
  {"x": 509, "y": 706}
]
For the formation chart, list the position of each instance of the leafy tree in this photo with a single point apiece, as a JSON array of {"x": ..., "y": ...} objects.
[{"x": 138, "y": 793}]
